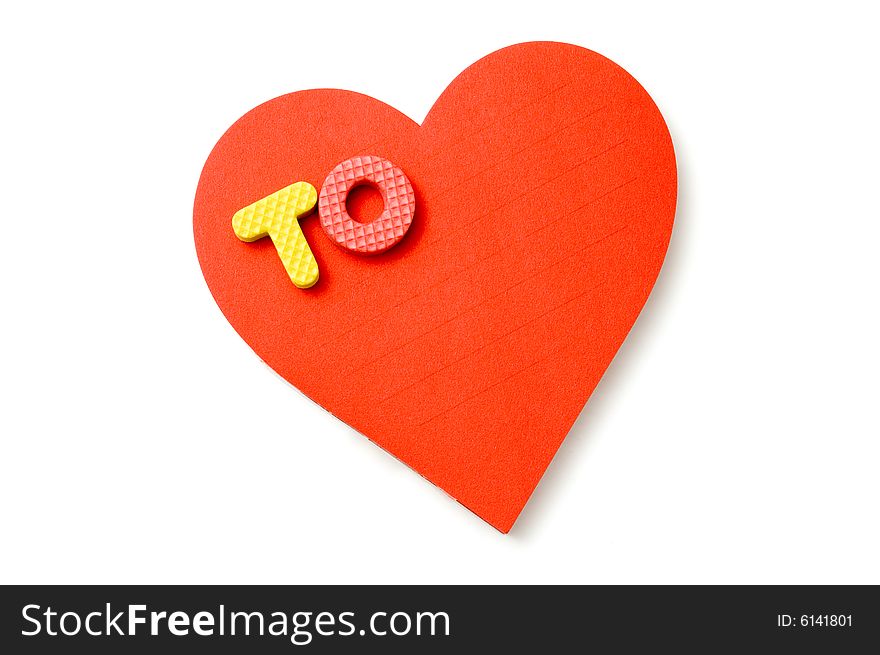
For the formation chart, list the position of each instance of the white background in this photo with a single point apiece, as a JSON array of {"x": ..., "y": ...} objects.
[{"x": 735, "y": 437}]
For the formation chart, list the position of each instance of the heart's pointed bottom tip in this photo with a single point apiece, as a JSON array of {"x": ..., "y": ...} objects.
[{"x": 503, "y": 525}]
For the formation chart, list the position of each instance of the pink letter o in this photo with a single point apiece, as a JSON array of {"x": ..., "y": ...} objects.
[{"x": 384, "y": 232}]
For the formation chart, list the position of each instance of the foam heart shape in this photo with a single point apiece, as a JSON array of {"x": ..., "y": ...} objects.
[{"x": 545, "y": 187}]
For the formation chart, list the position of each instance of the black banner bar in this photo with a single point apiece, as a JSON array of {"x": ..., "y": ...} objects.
[{"x": 118, "y": 619}]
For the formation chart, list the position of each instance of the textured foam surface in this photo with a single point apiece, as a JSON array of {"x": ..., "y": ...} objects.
[
  {"x": 277, "y": 216},
  {"x": 389, "y": 227}
]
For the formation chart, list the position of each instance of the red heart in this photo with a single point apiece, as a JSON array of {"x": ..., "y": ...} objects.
[{"x": 545, "y": 193}]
